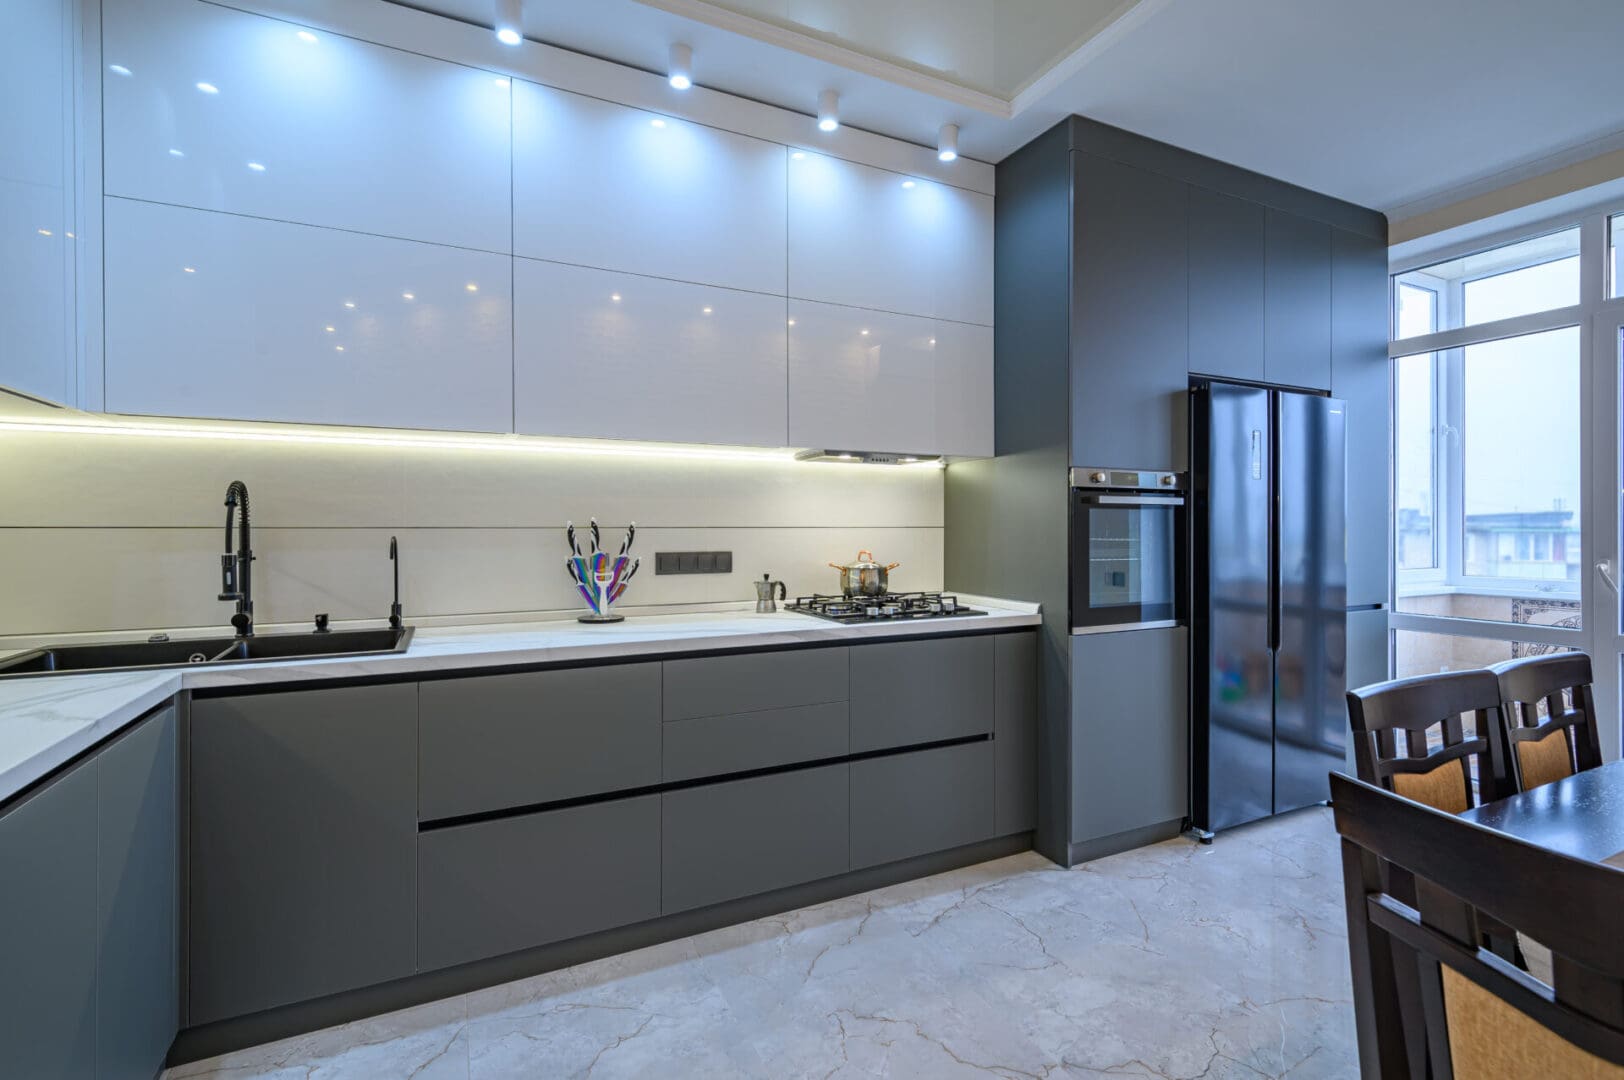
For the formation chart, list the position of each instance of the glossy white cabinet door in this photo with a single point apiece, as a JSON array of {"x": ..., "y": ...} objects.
[
  {"x": 860, "y": 380},
  {"x": 871, "y": 380},
  {"x": 347, "y": 134},
  {"x": 604, "y": 185},
  {"x": 619, "y": 356},
  {"x": 964, "y": 389},
  {"x": 36, "y": 199},
  {"x": 864, "y": 237},
  {"x": 214, "y": 315}
]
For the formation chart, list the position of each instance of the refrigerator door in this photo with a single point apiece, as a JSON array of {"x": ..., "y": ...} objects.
[
  {"x": 1233, "y": 698},
  {"x": 1310, "y": 676}
]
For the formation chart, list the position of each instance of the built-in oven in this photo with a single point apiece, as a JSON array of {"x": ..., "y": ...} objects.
[{"x": 1127, "y": 549}]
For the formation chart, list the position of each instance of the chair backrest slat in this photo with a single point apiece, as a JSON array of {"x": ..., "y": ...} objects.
[{"x": 1416, "y": 706}]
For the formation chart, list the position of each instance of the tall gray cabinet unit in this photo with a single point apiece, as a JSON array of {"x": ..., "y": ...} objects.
[{"x": 1122, "y": 268}]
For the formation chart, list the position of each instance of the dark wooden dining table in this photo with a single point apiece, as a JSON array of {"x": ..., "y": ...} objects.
[{"x": 1580, "y": 815}]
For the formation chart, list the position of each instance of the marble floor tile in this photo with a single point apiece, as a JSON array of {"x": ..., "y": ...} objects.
[{"x": 1173, "y": 961}]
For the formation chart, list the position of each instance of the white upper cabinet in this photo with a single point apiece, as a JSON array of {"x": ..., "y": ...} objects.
[
  {"x": 604, "y": 185},
  {"x": 622, "y": 356},
  {"x": 872, "y": 380},
  {"x": 37, "y": 244},
  {"x": 865, "y": 237},
  {"x": 223, "y": 110},
  {"x": 221, "y": 316}
]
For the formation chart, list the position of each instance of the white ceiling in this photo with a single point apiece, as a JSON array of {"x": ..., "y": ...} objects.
[{"x": 1388, "y": 103}]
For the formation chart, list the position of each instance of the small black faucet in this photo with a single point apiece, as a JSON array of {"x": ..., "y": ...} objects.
[
  {"x": 394, "y": 609},
  {"x": 236, "y": 566}
]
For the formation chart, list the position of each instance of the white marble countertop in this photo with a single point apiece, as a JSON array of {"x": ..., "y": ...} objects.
[{"x": 48, "y": 720}]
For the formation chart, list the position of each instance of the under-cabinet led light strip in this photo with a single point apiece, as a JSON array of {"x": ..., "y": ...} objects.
[{"x": 496, "y": 442}]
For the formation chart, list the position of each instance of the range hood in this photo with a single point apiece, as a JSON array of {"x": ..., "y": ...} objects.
[{"x": 866, "y": 457}]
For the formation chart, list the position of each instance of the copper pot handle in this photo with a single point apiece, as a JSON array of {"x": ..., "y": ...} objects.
[
  {"x": 865, "y": 556},
  {"x": 892, "y": 567},
  {"x": 836, "y": 566}
]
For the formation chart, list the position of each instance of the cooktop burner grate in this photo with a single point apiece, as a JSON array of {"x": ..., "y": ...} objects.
[{"x": 912, "y": 605}]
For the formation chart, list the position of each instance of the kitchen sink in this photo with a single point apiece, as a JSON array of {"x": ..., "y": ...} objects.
[{"x": 162, "y": 653}]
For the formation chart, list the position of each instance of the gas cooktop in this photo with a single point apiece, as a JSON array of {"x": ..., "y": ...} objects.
[{"x": 855, "y": 609}]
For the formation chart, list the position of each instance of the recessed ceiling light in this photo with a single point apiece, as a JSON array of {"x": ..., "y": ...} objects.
[
  {"x": 863, "y": 332},
  {"x": 681, "y": 67},
  {"x": 407, "y": 296},
  {"x": 798, "y": 155},
  {"x": 947, "y": 143},
  {"x": 256, "y": 166},
  {"x": 189, "y": 269},
  {"x": 329, "y": 329},
  {"x": 176, "y": 153},
  {"x": 707, "y": 310},
  {"x": 349, "y": 303},
  {"x": 828, "y": 111},
  {"x": 119, "y": 69},
  {"x": 505, "y": 84},
  {"x": 306, "y": 36},
  {"x": 43, "y": 232},
  {"x": 509, "y": 21},
  {"x": 656, "y": 122},
  {"x": 933, "y": 341},
  {"x": 615, "y": 297},
  {"x": 792, "y": 322},
  {"x": 338, "y": 348},
  {"x": 907, "y": 183},
  {"x": 472, "y": 286},
  {"x": 208, "y": 88}
]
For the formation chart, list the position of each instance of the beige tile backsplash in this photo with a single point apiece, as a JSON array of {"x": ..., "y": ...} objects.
[{"x": 123, "y": 532}]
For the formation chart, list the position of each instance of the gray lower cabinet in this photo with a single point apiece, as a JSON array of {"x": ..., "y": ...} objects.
[
  {"x": 930, "y": 800},
  {"x": 1130, "y": 726},
  {"x": 303, "y": 846},
  {"x": 929, "y": 690},
  {"x": 499, "y": 886},
  {"x": 48, "y": 930},
  {"x": 751, "y": 682},
  {"x": 741, "y": 742},
  {"x": 89, "y": 914},
  {"x": 1015, "y": 734},
  {"x": 497, "y": 741},
  {"x": 137, "y": 901},
  {"x": 727, "y": 840}
]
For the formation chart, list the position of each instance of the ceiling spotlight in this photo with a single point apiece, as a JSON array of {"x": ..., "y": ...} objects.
[
  {"x": 947, "y": 143},
  {"x": 681, "y": 67},
  {"x": 908, "y": 183},
  {"x": 306, "y": 36},
  {"x": 119, "y": 69},
  {"x": 208, "y": 88},
  {"x": 509, "y": 21},
  {"x": 828, "y": 111}
]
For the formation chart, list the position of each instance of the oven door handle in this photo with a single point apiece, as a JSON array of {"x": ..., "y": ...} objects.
[{"x": 1132, "y": 500}]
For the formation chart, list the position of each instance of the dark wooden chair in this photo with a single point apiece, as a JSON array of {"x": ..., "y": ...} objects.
[
  {"x": 1483, "y": 1018},
  {"x": 1392, "y": 722},
  {"x": 1562, "y": 741}
]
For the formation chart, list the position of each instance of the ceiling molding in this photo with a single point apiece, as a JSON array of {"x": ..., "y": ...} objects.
[
  {"x": 1575, "y": 169},
  {"x": 1129, "y": 17},
  {"x": 819, "y": 49}
]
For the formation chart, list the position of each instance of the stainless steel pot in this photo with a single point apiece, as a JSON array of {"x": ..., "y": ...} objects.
[{"x": 865, "y": 577}]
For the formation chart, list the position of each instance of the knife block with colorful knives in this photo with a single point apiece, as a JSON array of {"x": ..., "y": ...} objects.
[{"x": 600, "y": 579}]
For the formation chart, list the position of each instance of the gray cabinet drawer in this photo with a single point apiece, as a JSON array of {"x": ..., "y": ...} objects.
[
  {"x": 714, "y": 745},
  {"x": 910, "y": 692},
  {"x": 501, "y": 741},
  {"x": 912, "y": 804},
  {"x": 718, "y": 685},
  {"x": 743, "y": 837},
  {"x": 498, "y": 886}
]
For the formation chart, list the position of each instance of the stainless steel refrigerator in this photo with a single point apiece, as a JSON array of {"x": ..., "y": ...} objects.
[{"x": 1268, "y": 601}]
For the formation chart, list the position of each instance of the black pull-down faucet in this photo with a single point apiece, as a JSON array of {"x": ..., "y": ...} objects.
[
  {"x": 236, "y": 566},
  {"x": 394, "y": 558}
]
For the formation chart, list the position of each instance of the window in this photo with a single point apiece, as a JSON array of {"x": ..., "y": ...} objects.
[
  {"x": 1487, "y": 471},
  {"x": 1538, "y": 274},
  {"x": 1420, "y": 653},
  {"x": 1615, "y": 287}
]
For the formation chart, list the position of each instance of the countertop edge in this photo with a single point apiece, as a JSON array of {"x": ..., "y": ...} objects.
[{"x": 105, "y": 708}]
